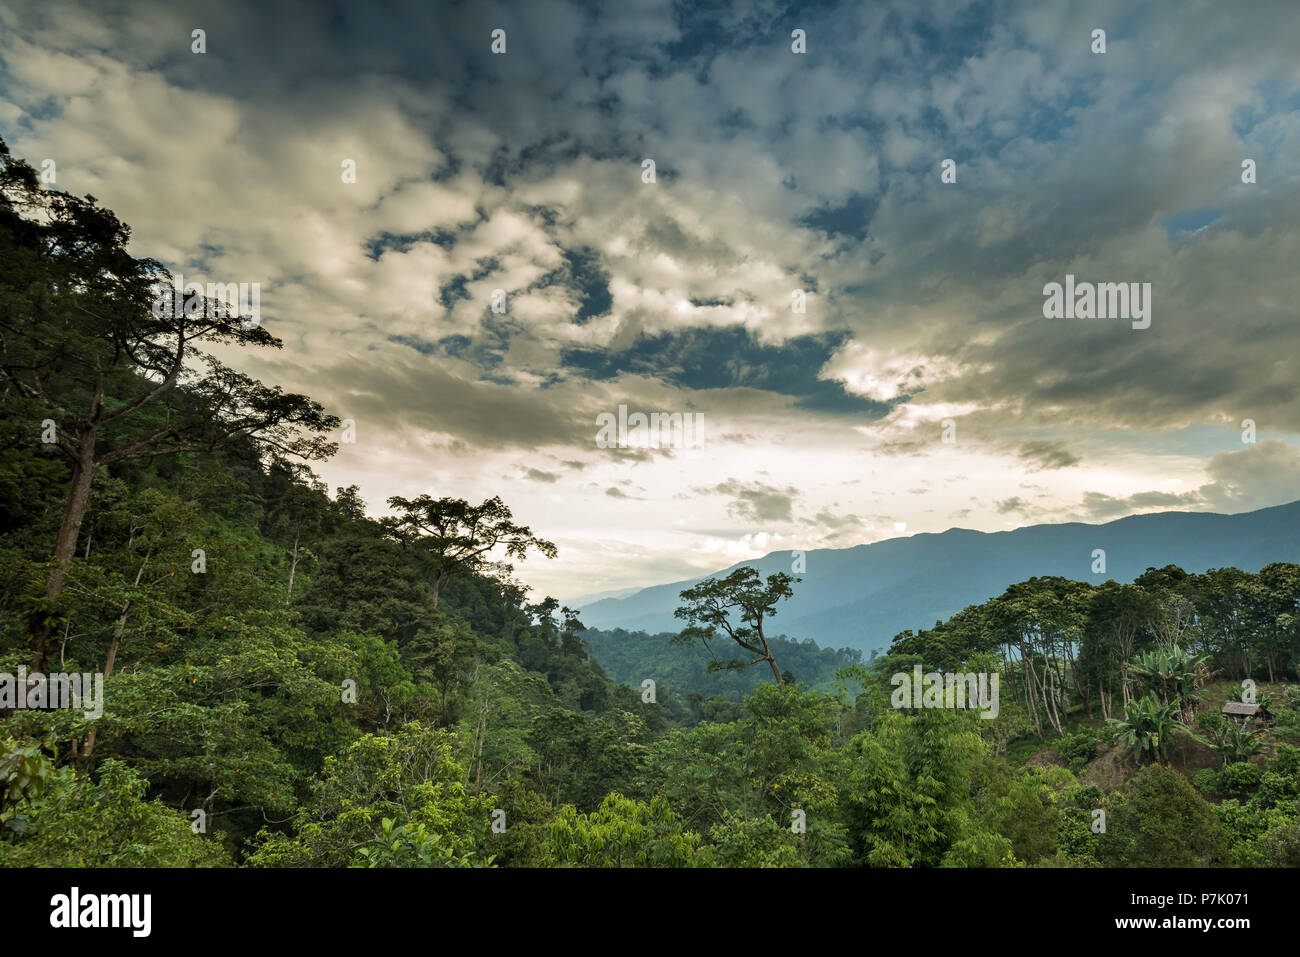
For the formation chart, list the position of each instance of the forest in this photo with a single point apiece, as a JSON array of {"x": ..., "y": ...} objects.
[{"x": 292, "y": 682}]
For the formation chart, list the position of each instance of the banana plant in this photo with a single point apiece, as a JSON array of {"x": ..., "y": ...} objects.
[
  {"x": 1147, "y": 726},
  {"x": 1233, "y": 742}
]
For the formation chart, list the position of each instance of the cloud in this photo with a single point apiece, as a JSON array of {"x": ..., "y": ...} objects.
[
  {"x": 756, "y": 501},
  {"x": 1047, "y": 455},
  {"x": 777, "y": 172},
  {"x": 1105, "y": 507},
  {"x": 1258, "y": 476}
]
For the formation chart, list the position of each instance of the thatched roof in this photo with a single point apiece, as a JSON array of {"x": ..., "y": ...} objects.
[{"x": 1238, "y": 707}]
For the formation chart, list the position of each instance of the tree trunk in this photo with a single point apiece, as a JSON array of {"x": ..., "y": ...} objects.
[
  {"x": 775, "y": 672},
  {"x": 1050, "y": 697},
  {"x": 767, "y": 651},
  {"x": 89, "y": 749},
  {"x": 293, "y": 566},
  {"x": 1032, "y": 692},
  {"x": 478, "y": 758},
  {"x": 65, "y": 548}
]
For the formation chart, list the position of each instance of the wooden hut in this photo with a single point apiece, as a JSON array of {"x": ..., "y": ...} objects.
[{"x": 1242, "y": 713}]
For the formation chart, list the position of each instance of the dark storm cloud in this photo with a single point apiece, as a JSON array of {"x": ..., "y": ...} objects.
[
  {"x": 849, "y": 219},
  {"x": 591, "y": 283},
  {"x": 731, "y": 357}
]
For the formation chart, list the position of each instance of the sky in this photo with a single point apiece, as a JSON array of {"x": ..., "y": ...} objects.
[{"x": 381, "y": 172}]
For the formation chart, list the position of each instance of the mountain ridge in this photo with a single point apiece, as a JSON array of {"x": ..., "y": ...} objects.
[{"x": 863, "y": 595}]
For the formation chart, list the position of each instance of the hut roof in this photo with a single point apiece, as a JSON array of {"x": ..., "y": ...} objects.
[{"x": 1238, "y": 707}]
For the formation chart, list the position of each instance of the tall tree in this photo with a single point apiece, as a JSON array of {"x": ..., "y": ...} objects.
[
  {"x": 298, "y": 513},
  {"x": 711, "y": 605},
  {"x": 89, "y": 358},
  {"x": 1116, "y": 617},
  {"x": 1277, "y": 613},
  {"x": 452, "y": 537},
  {"x": 1040, "y": 622}
]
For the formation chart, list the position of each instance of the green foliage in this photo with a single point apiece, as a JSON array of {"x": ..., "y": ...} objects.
[
  {"x": 25, "y": 774},
  {"x": 777, "y": 759},
  {"x": 1281, "y": 779},
  {"x": 1287, "y": 716},
  {"x": 1172, "y": 673},
  {"x": 410, "y": 779},
  {"x": 906, "y": 785},
  {"x": 1206, "y": 780},
  {"x": 629, "y": 657},
  {"x": 732, "y": 611},
  {"x": 1027, "y": 816},
  {"x": 1238, "y": 778},
  {"x": 1280, "y": 846},
  {"x": 1078, "y": 835},
  {"x": 1247, "y": 824},
  {"x": 580, "y": 757},
  {"x": 1232, "y": 741},
  {"x": 73, "y": 821},
  {"x": 1146, "y": 728},
  {"x": 405, "y": 845},
  {"x": 1079, "y": 748},
  {"x": 450, "y": 537},
  {"x": 1160, "y": 821},
  {"x": 620, "y": 833}
]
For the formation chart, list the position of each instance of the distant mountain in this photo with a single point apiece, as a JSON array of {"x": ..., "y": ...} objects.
[
  {"x": 861, "y": 597},
  {"x": 591, "y": 599}
]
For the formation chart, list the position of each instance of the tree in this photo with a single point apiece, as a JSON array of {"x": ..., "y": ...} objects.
[
  {"x": 74, "y": 821},
  {"x": 1040, "y": 622},
  {"x": 949, "y": 643},
  {"x": 620, "y": 833},
  {"x": 1160, "y": 821},
  {"x": 399, "y": 799},
  {"x": 300, "y": 509},
  {"x": 1146, "y": 726},
  {"x": 906, "y": 791},
  {"x": 711, "y": 604},
  {"x": 85, "y": 346},
  {"x": 453, "y": 537},
  {"x": 1116, "y": 615},
  {"x": 407, "y": 845},
  {"x": 1233, "y": 742},
  {"x": 1173, "y": 674},
  {"x": 1224, "y": 600},
  {"x": 1277, "y": 612}
]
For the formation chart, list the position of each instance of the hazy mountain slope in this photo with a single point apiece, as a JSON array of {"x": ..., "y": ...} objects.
[{"x": 862, "y": 596}]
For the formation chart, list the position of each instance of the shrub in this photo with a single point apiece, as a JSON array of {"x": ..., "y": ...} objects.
[
  {"x": 1160, "y": 821},
  {"x": 1238, "y": 778},
  {"x": 1078, "y": 749},
  {"x": 1280, "y": 847},
  {"x": 1206, "y": 781}
]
